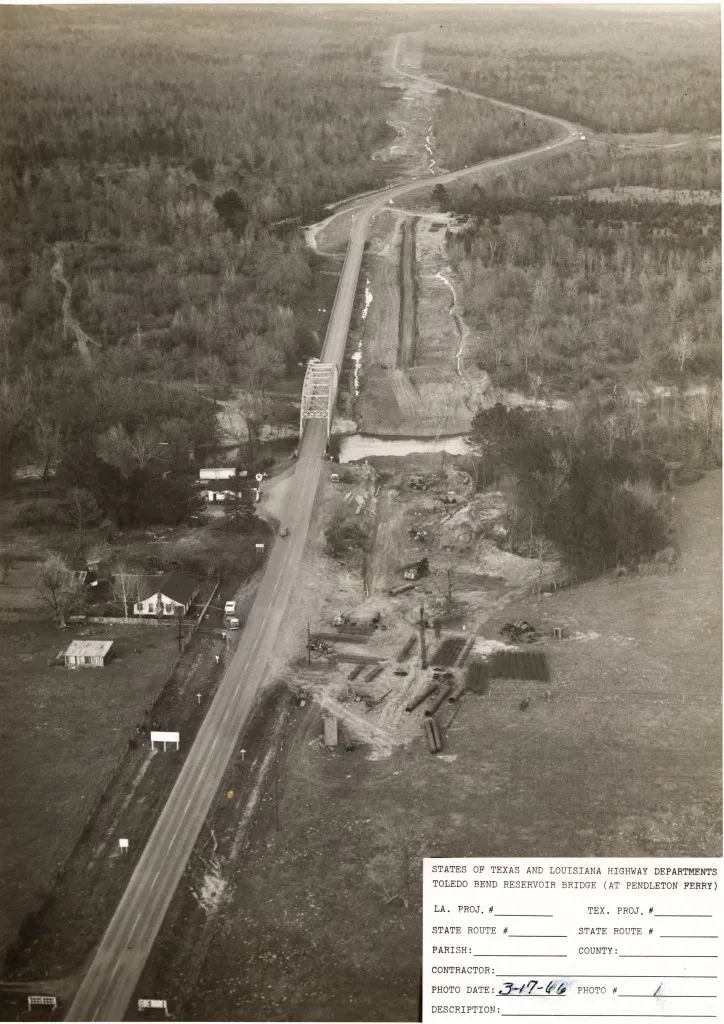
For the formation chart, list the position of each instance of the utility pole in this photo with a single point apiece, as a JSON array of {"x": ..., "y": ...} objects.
[
  {"x": 309, "y": 647},
  {"x": 276, "y": 800},
  {"x": 443, "y": 432},
  {"x": 423, "y": 646}
]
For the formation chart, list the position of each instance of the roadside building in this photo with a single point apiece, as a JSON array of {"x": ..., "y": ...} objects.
[
  {"x": 88, "y": 653},
  {"x": 212, "y": 481},
  {"x": 163, "y": 595}
]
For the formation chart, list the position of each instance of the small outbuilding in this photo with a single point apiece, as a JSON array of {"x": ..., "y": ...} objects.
[
  {"x": 88, "y": 653},
  {"x": 331, "y": 737}
]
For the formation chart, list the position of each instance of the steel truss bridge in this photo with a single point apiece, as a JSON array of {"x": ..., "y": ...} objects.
[{"x": 319, "y": 394}]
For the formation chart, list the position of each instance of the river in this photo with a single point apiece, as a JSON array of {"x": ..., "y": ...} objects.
[{"x": 361, "y": 446}]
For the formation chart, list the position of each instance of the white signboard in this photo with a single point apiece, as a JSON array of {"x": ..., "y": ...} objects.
[
  {"x": 164, "y": 738},
  {"x": 43, "y": 1001},
  {"x": 153, "y": 1004}
]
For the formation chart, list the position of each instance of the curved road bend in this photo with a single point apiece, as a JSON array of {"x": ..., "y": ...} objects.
[{"x": 119, "y": 959}]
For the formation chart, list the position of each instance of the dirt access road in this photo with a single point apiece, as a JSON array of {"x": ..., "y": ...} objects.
[{"x": 124, "y": 949}]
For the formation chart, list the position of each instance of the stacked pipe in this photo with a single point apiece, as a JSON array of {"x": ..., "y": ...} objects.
[
  {"x": 417, "y": 701},
  {"x": 466, "y": 652},
  {"x": 439, "y": 700},
  {"x": 477, "y": 677}
]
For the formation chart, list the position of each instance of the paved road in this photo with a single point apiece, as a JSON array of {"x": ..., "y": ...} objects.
[{"x": 116, "y": 967}]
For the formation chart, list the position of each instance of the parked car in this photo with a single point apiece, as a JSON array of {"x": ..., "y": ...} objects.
[{"x": 230, "y": 608}]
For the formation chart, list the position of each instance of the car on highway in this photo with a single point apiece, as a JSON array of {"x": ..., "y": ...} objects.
[{"x": 284, "y": 532}]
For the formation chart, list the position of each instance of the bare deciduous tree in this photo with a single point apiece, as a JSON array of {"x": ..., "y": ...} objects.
[
  {"x": 683, "y": 348},
  {"x": 124, "y": 585},
  {"x": 49, "y": 443},
  {"x": 144, "y": 445},
  {"x": 81, "y": 509},
  {"x": 571, "y": 426},
  {"x": 112, "y": 447},
  {"x": 706, "y": 406},
  {"x": 119, "y": 448},
  {"x": 59, "y": 587},
  {"x": 611, "y": 432}
]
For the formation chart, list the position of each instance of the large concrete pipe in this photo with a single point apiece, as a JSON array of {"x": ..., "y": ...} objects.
[
  {"x": 427, "y": 692},
  {"x": 457, "y": 692},
  {"x": 438, "y": 702},
  {"x": 436, "y": 731},
  {"x": 430, "y": 736}
]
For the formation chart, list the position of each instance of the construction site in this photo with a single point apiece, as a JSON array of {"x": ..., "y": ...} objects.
[{"x": 439, "y": 706}]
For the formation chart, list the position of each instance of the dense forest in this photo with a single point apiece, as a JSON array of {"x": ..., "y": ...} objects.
[
  {"x": 572, "y": 171},
  {"x": 580, "y": 290},
  {"x": 598, "y": 498},
  {"x": 155, "y": 163},
  {"x": 615, "y": 69},
  {"x": 594, "y": 291},
  {"x": 613, "y": 307},
  {"x": 468, "y": 131}
]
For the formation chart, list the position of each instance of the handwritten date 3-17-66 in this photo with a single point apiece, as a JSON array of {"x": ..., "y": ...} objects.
[{"x": 534, "y": 987}]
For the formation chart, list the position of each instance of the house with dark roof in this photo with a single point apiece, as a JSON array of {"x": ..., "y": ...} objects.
[{"x": 164, "y": 595}]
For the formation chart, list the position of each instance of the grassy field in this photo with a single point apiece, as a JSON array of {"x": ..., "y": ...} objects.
[
  {"x": 619, "y": 755},
  {"x": 61, "y": 736}
]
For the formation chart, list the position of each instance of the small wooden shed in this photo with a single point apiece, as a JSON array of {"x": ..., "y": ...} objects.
[
  {"x": 331, "y": 738},
  {"x": 88, "y": 653}
]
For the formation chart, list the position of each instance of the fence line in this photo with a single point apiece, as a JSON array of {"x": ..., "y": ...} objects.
[
  {"x": 141, "y": 620},
  {"x": 130, "y": 620}
]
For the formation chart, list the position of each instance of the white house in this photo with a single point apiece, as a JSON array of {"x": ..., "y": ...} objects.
[
  {"x": 164, "y": 595},
  {"x": 208, "y": 480}
]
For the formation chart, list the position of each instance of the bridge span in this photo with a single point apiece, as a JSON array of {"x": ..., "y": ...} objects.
[{"x": 319, "y": 394}]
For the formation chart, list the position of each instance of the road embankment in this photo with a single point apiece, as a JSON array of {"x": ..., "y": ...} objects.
[{"x": 407, "y": 333}]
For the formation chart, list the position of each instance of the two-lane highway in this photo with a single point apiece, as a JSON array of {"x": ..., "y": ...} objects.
[
  {"x": 119, "y": 959},
  {"x": 124, "y": 949}
]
